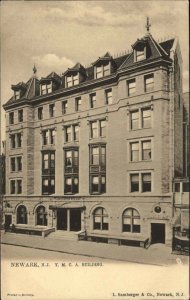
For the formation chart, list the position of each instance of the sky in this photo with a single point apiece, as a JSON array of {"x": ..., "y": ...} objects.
[{"x": 56, "y": 34}]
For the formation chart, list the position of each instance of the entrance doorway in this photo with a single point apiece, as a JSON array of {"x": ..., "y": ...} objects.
[
  {"x": 75, "y": 219},
  {"x": 8, "y": 221},
  {"x": 62, "y": 219},
  {"x": 69, "y": 219},
  {"x": 157, "y": 233}
]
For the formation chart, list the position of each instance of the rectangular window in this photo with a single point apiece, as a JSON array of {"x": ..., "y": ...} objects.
[
  {"x": 43, "y": 89},
  {"x": 16, "y": 164},
  {"x": 68, "y": 134},
  {"x": 16, "y": 186},
  {"x": 95, "y": 184},
  {"x": 17, "y": 95},
  {"x": 69, "y": 81},
  {"x": 13, "y": 141},
  {"x": 146, "y": 150},
  {"x": 140, "y": 55},
  {"x": 98, "y": 184},
  {"x": 20, "y": 115},
  {"x": 72, "y": 80},
  {"x": 149, "y": 83},
  {"x": 49, "y": 88},
  {"x": 16, "y": 140},
  {"x": 45, "y": 161},
  {"x": 11, "y": 118},
  {"x": 48, "y": 163},
  {"x": 52, "y": 110},
  {"x": 40, "y": 113},
  {"x": 13, "y": 187},
  {"x": 95, "y": 156},
  {"x": 71, "y": 161},
  {"x": 76, "y": 79},
  {"x": 48, "y": 137},
  {"x": 19, "y": 140},
  {"x": 102, "y": 70},
  {"x": 71, "y": 133},
  {"x": 48, "y": 185},
  {"x": 134, "y": 182},
  {"x": 99, "y": 71},
  {"x": 97, "y": 169},
  {"x": 78, "y": 104},
  {"x": 106, "y": 69},
  {"x": 131, "y": 87},
  {"x": 19, "y": 186},
  {"x": 135, "y": 120},
  {"x": 134, "y": 151},
  {"x": 75, "y": 132},
  {"x": 45, "y": 135},
  {"x": 92, "y": 100},
  {"x": 64, "y": 107},
  {"x": 109, "y": 98},
  {"x": 71, "y": 185},
  {"x": 46, "y": 88},
  {"x": 94, "y": 130},
  {"x": 13, "y": 164},
  {"x": 71, "y": 171},
  {"x": 102, "y": 128},
  {"x": 146, "y": 118},
  {"x": 146, "y": 182},
  {"x": 48, "y": 172},
  {"x": 52, "y": 136}
]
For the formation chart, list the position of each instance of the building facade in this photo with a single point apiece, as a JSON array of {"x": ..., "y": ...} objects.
[{"x": 93, "y": 153}]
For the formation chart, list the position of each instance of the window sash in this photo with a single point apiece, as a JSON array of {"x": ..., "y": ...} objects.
[
  {"x": 140, "y": 55},
  {"x": 94, "y": 129},
  {"x": 11, "y": 118},
  {"x": 146, "y": 182},
  {"x": 20, "y": 115},
  {"x": 40, "y": 113},
  {"x": 92, "y": 100},
  {"x": 109, "y": 98},
  {"x": 64, "y": 107},
  {"x": 52, "y": 110},
  {"x": 131, "y": 87}
]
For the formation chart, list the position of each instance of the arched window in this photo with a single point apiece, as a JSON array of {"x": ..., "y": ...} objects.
[
  {"x": 21, "y": 215},
  {"x": 100, "y": 219},
  {"x": 131, "y": 220},
  {"x": 41, "y": 216}
]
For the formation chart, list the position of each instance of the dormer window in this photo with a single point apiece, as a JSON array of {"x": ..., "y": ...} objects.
[
  {"x": 141, "y": 50},
  {"x": 140, "y": 55},
  {"x": 46, "y": 88},
  {"x": 102, "y": 70},
  {"x": 72, "y": 80},
  {"x": 17, "y": 95}
]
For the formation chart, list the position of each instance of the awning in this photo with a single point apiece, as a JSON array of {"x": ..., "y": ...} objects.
[{"x": 68, "y": 205}]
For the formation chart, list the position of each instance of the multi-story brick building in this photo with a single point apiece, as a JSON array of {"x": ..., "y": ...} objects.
[{"x": 94, "y": 152}]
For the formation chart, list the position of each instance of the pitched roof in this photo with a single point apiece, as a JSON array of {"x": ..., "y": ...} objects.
[
  {"x": 52, "y": 76},
  {"x": 31, "y": 88},
  {"x": 167, "y": 45},
  {"x": 154, "y": 51},
  {"x": 76, "y": 68}
]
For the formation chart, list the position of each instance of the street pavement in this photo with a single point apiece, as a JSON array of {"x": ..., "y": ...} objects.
[{"x": 157, "y": 254}]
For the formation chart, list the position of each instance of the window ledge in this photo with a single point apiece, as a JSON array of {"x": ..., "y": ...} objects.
[{"x": 140, "y": 161}]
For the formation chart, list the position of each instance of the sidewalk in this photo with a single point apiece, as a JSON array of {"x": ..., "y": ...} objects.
[{"x": 157, "y": 254}]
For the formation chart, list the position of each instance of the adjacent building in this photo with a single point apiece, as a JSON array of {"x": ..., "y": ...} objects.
[{"x": 94, "y": 153}]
